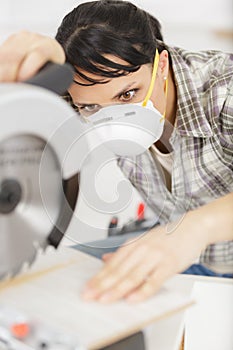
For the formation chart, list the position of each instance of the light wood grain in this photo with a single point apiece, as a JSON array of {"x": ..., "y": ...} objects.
[{"x": 50, "y": 292}]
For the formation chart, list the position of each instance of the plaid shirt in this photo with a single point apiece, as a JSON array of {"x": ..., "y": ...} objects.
[{"x": 202, "y": 143}]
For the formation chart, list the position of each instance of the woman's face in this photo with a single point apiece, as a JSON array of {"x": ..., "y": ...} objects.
[{"x": 131, "y": 88}]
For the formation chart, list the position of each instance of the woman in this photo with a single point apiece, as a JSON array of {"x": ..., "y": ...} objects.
[{"x": 115, "y": 48}]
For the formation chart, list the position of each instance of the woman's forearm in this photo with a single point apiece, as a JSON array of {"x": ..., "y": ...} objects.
[{"x": 215, "y": 219}]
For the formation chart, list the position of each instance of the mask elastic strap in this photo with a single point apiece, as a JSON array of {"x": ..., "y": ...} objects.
[
  {"x": 149, "y": 93},
  {"x": 166, "y": 89},
  {"x": 155, "y": 67}
]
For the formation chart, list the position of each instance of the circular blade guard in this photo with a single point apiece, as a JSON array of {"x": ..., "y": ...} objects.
[
  {"x": 31, "y": 200},
  {"x": 38, "y": 174}
]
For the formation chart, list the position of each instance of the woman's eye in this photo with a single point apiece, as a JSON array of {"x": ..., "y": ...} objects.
[
  {"x": 128, "y": 95},
  {"x": 89, "y": 109}
]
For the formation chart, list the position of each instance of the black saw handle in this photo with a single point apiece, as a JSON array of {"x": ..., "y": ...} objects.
[{"x": 54, "y": 77}]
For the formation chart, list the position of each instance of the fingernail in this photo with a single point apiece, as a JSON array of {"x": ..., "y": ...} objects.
[
  {"x": 133, "y": 298},
  {"x": 88, "y": 294},
  {"x": 105, "y": 298}
]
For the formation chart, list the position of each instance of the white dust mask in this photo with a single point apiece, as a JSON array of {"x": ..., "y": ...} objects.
[{"x": 129, "y": 129}]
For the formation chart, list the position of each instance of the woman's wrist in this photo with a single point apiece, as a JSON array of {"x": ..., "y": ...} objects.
[
  {"x": 215, "y": 220},
  {"x": 202, "y": 223}
]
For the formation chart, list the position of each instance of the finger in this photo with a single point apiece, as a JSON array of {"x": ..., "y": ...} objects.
[
  {"x": 123, "y": 260},
  {"x": 116, "y": 262},
  {"x": 107, "y": 256},
  {"x": 31, "y": 64},
  {"x": 133, "y": 280},
  {"x": 120, "y": 282},
  {"x": 152, "y": 285},
  {"x": 121, "y": 254},
  {"x": 12, "y": 53},
  {"x": 8, "y": 73},
  {"x": 24, "y": 53},
  {"x": 44, "y": 51},
  {"x": 9, "y": 64},
  {"x": 111, "y": 274}
]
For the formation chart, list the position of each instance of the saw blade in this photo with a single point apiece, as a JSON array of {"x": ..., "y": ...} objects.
[{"x": 31, "y": 197}]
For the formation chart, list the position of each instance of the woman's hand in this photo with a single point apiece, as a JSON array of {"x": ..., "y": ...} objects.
[
  {"x": 24, "y": 53},
  {"x": 139, "y": 268},
  {"x": 136, "y": 271}
]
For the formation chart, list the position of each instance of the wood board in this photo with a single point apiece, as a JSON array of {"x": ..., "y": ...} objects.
[{"x": 50, "y": 292}]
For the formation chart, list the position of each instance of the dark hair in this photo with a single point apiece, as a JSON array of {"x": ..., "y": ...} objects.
[{"x": 94, "y": 29}]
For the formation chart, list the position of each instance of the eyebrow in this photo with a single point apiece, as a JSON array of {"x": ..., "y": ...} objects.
[{"x": 127, "y": 87}]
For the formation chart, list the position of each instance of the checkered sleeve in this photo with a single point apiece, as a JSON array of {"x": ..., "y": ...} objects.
[
  {"x": 127, "y": 166},
  {"x": 227, "y": 115}
]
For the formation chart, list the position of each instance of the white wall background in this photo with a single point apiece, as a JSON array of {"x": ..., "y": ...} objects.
[{"x": 190, "y": 24}]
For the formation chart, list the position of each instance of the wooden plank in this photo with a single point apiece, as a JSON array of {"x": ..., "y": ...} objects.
[{"x": 50, "y": 292}]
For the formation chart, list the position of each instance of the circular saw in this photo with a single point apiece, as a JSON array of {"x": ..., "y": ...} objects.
[{"x": 40, "y": 162}]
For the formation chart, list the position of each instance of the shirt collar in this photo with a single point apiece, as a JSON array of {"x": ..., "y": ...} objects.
[{"x": 190, "y": 117}]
